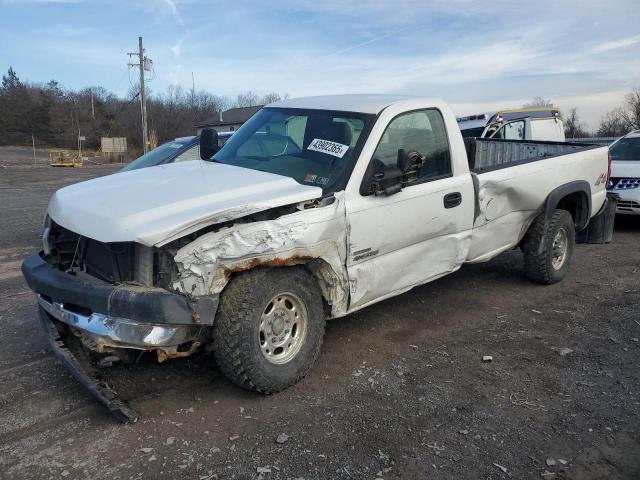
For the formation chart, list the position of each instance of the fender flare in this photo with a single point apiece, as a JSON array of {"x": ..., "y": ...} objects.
[{"x": 557, "y": 194}]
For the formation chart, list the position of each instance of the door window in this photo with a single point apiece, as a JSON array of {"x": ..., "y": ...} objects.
[
  {"x": 423, "y": 132},
  {"x": 511, "y": 131},
  {"x": 192, "y": 153}
]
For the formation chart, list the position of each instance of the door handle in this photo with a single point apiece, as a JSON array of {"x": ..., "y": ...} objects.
[{"x": 452, "y": 199}]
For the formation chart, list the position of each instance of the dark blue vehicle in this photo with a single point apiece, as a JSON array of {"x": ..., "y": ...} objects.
[{"x": 179, "y": 150}]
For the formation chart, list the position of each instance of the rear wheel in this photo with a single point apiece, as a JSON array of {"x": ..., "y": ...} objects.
[
  {"x": 269, "y": 328},
  {"x": 548, "y": 247}
]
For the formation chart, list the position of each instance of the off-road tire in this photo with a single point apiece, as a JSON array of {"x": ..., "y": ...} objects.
[
  {"x": 236, "y": 341},
  {"x": 538, "y": 247}
]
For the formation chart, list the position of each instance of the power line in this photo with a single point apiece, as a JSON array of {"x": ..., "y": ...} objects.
[{"x": 121, "y": 107}]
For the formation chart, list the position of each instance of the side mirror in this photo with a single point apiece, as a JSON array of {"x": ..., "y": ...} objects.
[
  {"x": 208, "y": 143},
  {"x": 372, "y": 176},
  {"x": 410, "y": 162},
  {"x": 379, "y": 180}
]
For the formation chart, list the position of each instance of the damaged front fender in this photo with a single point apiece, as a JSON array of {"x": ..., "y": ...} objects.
[{"x": 315, "y": 237}]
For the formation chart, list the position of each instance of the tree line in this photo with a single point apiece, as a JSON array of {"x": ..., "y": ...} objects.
[{"x": 56, "y": 116}]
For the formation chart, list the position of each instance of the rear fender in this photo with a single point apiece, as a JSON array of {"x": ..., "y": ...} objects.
[{"x": 578, "y": 195}]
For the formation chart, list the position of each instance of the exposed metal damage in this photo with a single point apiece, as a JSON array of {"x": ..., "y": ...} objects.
[{"x": 314, "y": 236}]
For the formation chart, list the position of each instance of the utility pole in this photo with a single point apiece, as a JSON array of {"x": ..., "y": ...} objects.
[
  {"x": 145, "y": 64},
  {"x": 193, "y": 91}
]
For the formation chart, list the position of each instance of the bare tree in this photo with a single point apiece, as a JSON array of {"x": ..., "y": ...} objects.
[
  {"x": 573, "y": 128},
  {"x": 247, "y": 99},
  {"x": 612, "y": 124},
  {"x": 207, "y": 103},
  {"x": 272, "y": 97},
  {"x": 623, "y": 119},
  {"x": 538, "y": 102},
  {"x": 630, "y": 110}
]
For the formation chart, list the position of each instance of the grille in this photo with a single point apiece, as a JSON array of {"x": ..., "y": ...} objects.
[
  {"x": 112, "y": 262},
  {"x": 628, "y": 206},
  {"x": 624, "y": 183}
]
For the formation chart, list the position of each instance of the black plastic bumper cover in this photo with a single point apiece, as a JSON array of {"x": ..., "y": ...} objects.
[
  {"x": 83, "y": 371},
  {"x": 152, "y": 305}
]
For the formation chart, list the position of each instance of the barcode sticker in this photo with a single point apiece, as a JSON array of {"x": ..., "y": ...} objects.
[{"x": 330, "y": 148}]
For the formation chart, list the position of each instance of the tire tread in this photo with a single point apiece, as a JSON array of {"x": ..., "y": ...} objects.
[
  {"x": 537, "y": 242},
  {"x": 238, "y": 304}
]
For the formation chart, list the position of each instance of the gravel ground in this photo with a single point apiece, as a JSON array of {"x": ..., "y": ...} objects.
[{"x": 400, "y": 389}]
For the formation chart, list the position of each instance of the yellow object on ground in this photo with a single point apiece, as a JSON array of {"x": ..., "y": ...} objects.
[{"x": 64, "y": 158}]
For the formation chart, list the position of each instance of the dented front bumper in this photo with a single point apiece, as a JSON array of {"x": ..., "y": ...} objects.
[
  {"x": 70, "y": 352},
  {"x": 104, "y": 330},
  {"x": 80, "y": 312},
  {"x": 88, "y": 295}
]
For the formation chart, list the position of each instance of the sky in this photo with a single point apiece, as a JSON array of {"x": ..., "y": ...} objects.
[{"x": 476, "y": 55}]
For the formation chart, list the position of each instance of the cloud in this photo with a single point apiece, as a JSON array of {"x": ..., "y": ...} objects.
[
  {"x": 174, "y": 11},
  {"x": 616, "y": 44},
  {"x": 419, "y": 74},
  {"x": 177, "y": 48},
  {"x": 467, "y": 52},
  {"x": 368, "y": 42}
]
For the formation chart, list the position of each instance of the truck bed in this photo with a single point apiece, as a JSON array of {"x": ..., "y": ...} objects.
[
  {"x": 488, "y": 154},
  {"x": 512, "y": 180}
]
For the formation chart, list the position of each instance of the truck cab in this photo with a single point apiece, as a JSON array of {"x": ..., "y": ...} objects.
[{"x": 522, "y": 124}]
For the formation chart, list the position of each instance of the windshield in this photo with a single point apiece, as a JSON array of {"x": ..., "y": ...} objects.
[
  {"x": 626, "y": 149},
  {"x": 158, "y": 155},
  {"x": 314, "y": 147}
]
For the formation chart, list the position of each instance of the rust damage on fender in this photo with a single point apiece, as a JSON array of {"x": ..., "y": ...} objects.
[
  {"x": 315, "y": 237},
  {"x": 272, "y": 262}
]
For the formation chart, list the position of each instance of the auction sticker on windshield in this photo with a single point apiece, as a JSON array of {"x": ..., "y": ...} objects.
[{"x": 330, "y": 148}]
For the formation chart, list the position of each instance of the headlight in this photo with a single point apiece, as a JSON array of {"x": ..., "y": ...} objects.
[{"x": 47, "y": 244}]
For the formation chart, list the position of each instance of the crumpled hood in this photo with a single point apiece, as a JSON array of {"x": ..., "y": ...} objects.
[
  {"x": 156, "y": 205},
  {"x": 625, "y": 169}
]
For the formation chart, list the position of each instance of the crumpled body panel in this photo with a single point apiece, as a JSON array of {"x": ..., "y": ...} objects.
[
  {"x": 509, "y": 199},
  {"x": 315, "y": 237}
]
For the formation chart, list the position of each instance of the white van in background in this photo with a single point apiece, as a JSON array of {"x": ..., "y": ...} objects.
[{"x": 521, "y": 124}]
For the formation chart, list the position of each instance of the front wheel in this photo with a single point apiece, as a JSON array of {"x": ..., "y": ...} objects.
[
  {"x": 269, "y": 327},
  {"x": 548, "y": 247}
]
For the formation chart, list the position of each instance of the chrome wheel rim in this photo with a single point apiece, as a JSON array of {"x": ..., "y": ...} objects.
[
  {"x": 283, "y": 328},
  {"x": 559, "y": 249}
]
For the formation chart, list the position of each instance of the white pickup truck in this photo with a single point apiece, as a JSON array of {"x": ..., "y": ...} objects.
[{"x": 316, "y": 207}]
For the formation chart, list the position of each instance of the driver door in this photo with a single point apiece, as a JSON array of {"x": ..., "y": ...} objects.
[{"x": 398, "y": 241}]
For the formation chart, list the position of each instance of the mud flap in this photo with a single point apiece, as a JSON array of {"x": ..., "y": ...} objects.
[
  {"x": 80, "y": 366},
  {"x": 600, "y": 228}
]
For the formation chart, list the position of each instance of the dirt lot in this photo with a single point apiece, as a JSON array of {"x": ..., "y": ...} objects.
[
  {"x": 400, "y": 390},
  {"x": 24, "y": 157}
]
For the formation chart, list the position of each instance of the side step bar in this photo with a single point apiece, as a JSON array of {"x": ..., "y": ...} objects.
[{"x": 79, "y": 365}]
